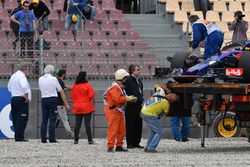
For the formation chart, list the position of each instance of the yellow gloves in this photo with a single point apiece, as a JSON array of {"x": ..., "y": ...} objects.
[
  {"x": 190, "y": 49},
  {"x": 131, "y": 99}
]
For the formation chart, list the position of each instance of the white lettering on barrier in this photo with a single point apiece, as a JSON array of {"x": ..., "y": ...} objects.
[{"x": 5, "y": 122}]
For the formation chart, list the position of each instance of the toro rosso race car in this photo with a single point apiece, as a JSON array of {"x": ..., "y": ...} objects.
[{"x": 229, "y": 65}]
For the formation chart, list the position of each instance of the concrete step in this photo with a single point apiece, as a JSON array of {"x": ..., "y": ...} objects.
[
  {"x": 145, "y": 18},
  {"x": 162, "y": 35}
]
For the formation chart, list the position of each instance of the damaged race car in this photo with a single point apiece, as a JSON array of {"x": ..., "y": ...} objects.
[{"x": 230, "y": 65}]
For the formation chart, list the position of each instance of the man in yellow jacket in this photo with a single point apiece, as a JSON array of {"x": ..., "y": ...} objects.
[{"x": 153, "y": 109}]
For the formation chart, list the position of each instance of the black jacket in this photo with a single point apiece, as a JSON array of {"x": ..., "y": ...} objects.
[
  {"x": 13, "y": 25},
  {"x": 133, "y": 88},
  {"x": 179, "y": 109},
  {"x": 40, "y": 9}
]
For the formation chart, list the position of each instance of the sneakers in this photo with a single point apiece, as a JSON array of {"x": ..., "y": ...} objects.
[
  {"x": 150, "y": 151},
  {"x": 120, "y": 149}
]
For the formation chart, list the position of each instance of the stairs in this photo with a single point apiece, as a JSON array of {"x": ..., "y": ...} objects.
[{"x": 163, "y": 36}]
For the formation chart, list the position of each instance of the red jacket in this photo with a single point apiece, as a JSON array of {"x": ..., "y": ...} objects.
[{"x": 82, "y": 96}]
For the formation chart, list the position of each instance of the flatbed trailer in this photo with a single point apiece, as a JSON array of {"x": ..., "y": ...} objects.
[{"x": 239, "y": 94}]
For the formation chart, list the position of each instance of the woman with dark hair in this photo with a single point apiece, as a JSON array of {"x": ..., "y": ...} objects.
[{"x": 82, "y": 95}]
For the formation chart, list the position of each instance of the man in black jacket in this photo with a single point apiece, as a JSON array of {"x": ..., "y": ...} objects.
[
  {"x": 14, "y": 26},
  {"x": 41, "y": 12},
  {"x": 134, "y": 86}
]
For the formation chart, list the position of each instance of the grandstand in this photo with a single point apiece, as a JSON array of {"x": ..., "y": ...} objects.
[{"x": 113, "y": 40}]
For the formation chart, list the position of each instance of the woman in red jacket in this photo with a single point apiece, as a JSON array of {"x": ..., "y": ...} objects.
[{"x": 82, "y": 95}]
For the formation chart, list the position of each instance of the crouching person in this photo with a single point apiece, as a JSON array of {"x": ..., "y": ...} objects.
[
  {"x": 115, "y": 99},
  {"x": 153, "y": 109}
]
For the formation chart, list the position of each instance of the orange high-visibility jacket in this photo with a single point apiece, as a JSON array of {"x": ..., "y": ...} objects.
[{"x": 115, "y": 96}]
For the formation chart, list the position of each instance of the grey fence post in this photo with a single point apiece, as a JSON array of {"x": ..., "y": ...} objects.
[
  {"x": 41, "y": 55},
  {"x": 83, "y": 44}
]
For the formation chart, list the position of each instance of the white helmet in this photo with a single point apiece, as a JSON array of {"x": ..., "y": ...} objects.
[{"x": 120, "y": 74}]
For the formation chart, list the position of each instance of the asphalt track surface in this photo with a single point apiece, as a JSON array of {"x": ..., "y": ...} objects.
[{"x": 220, "y": 152}]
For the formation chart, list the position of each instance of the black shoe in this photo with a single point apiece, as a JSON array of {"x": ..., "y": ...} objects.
[
  {"x": 177, "y": 139},
  {"x": 184, "y": 140},
  {"x": 54, "y": 141},
  {"x": 91, "y": 142},
  {"x": 130, "y": 146},
  {"x": 110, "y": 150},
  {"x": 44, "y": 141},
  {"x": 75, "y": 142},
  {"x": 139, "y": 146},
  {"x": 22, "y": 140},
  {"x": 120, "y": 149},
  {"x": 150, "y": 151}
]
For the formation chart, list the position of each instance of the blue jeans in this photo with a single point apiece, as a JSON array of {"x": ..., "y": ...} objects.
[
  {"x": 49, "y": 112},
  {"x": 68, "y": 22},
  {"x": 175, "y": 124},
  {"x": 43, "y": 24},
  {"x": 156, "y": 131}
]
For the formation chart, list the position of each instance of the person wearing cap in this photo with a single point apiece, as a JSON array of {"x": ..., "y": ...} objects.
[
  {"x": 82, "y": 95},
  {"x": 74, "y": 14},
  {"x": 49, "y": 86},
  {"x": 26, "y": 21},
  {"x": 199, "y": 31},
  {"x": 239, "y": 28},
  {"x": 41, "y": 12},
  {"x": 153, "y": 109},
  {"x": 115, "y": 99},
  {"x": 20, "y": 91}
]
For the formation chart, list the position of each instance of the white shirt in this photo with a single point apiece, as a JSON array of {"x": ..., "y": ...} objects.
[
  {"x": 211, "y": 28},
  {"x": 18, "y": 85},
  {"x": 49, "y": 86}
]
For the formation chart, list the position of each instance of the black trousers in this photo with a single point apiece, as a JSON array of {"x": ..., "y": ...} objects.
[
  {"x": 133, "y": 124},
  {"x": 20, "y": 115},
  {"x": 87, "y": 120},
  {"x": 27, "y": 39}
]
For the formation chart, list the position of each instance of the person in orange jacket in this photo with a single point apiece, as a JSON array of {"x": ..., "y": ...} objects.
[
  {"x": 82, "y": 95},
  {"x": 115, "y": 99}
]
